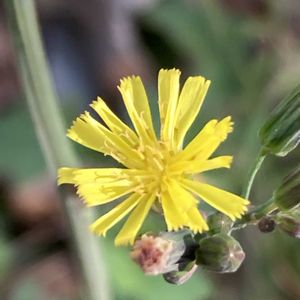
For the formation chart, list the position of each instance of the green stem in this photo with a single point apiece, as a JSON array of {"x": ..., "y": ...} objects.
[
  {"x": 46, "y": 115},
  {"x": 251, "y": 175}
]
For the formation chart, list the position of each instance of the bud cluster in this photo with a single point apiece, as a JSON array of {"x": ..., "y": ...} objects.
[
  {"x": 177, "y": 255},
  {"x": 286, "y": 198},
  {"x": 283, "y": 210}
]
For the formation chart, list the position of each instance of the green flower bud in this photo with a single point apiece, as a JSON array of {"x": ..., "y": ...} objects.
[
  {"x": 220, "y": 253},
  {"x": 287, "y": 196},
  {"x": 281, "y": 133},
  {"x": 290, "y": 223},
  {"x": 266, "y": 225},
  {"x": 182, "y": 276},
  {"x": 219, "y": 222},
  {"x": 163, "y": 253}
]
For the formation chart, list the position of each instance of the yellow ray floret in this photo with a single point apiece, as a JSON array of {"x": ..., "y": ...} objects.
[
  {"x": 90, "y": 133},
  {"x": 155, "y": 169},
  {"x": 104, "y": 223},
  {"x": 228, "y": 203},
  {"x": 189, "y": 105},
  {"x": 135, "y": 100},
  {"x": 168, "y": 93},
  {"x": 114, "y": 123}
]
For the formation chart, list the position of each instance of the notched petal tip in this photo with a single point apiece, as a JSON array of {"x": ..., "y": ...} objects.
[
  {"x": 205, "y": 228},
  {"x": 166, "y": 72},
  {"x": 207, "y": 83},
  {"x": 123, "y": 241},
  {"x": 94, "y": 229},
  {"x": 125, "y": 81},
  {"x": 78, "y": 122},
  {"x": 238, "y": 214},
  {"x": 229, "y": 161},
  {"x": 97, "y": 102},
  {"x": 65, "y": 175},
  {"x": 224, "y": 127},
  {"x": 246, "y": 202},
  {"x": 169, "y": 70}
]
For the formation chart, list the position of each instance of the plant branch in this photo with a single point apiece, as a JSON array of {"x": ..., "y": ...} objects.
[
  {"x": 255, "y": 214},
  {"x": 251, "y": 175},
  {"x": 46, "y": 115}
]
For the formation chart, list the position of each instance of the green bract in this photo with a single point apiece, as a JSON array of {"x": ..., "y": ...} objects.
[
  {"x": 218, "y": 222},
  {"x": 290, "y": 223},
  {"x": 281, "y": 133},
  {"x": 287, "y": 196},
  {"x": 220, "y": 253},
  {"x": 182, "y": 276}
]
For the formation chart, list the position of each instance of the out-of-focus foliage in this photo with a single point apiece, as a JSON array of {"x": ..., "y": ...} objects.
[{"x": 20, "y": 154}]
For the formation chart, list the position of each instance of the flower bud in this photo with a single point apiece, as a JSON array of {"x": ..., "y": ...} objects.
[
  {"x": 219, "y": 222},
  {"x": 281, "y": 133},
  {"x": 220, "y": 253},
  {"x": 266, "y": 225},
  {"x": 163, "y": 253},
  {"x": 290, "y": 223},
  {"x": 182, "y": 276},
  {"x": 287, "y": 196}
]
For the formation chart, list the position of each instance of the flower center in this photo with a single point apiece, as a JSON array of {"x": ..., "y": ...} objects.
[{"x": 157, "y": 164}]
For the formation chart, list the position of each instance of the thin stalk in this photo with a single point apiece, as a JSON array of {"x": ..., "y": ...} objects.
[
  {"x": 46, "y": 115},
  {"x": 256, "y": 214},
  {"x": 251, "y": 175}
]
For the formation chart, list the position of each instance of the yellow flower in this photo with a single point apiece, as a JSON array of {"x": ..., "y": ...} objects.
[{"x": 155, "y": 169}]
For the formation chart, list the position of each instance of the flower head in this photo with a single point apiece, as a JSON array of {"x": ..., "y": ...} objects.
[
  {"x": 152, "y": 253},
  {"x": 154, "y": 169},
  {"x": 164, "y": 252}
]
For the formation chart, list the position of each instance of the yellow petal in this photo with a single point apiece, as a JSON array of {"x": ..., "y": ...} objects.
[
  {"x": 114, "y": 123},
  {"x": 196, "y": 221},
  {"x": 136, "y": 102},
  {"x": 135, "y": 221},
  {"x": 66, "y": 175},
  {"x": 187, "y": 205},
  {"x": 222, "y": 129},
  {"x": 168, "y": 91},
  {"x": 87, "y": 134},
  {"x": 211, "y": 164},
  {"x": 80, "y": 176},
  {"x": 198, "y": 166},
  {"x": 95, "y": 194},
  {"x": 108, "y": 220},
  {"x": 101, "y": 175},
  {"x": 175, "y": 218},
  {"x": 181, "y": 197},
  {"x": 206, "y": 141},
  {"x": 227, "y": 203},
  {"x": 198, "y": 143},
  {"x": 99, "y": 186},
  {"x": 90, "y": 133},
  {"x": 189, "y": 104}
]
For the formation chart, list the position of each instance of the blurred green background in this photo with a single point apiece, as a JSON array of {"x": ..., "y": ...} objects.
[{"x": 250, "y": 49}]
